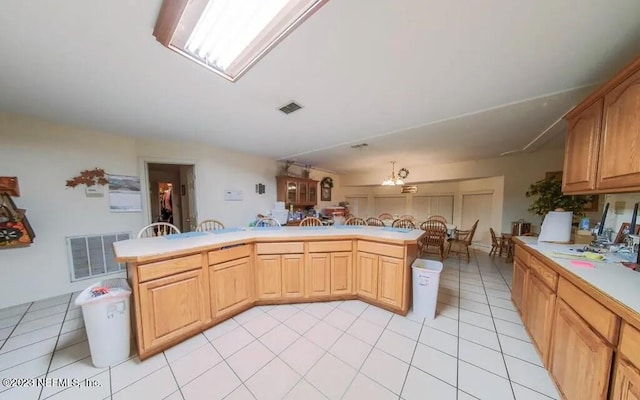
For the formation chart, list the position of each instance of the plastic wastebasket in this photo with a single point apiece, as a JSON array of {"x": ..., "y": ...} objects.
[
  {"x": 105, "y": 308},
  {"x": 426, "y": 280}
]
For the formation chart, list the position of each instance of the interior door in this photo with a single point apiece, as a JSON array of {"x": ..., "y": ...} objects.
[
  {"x": 189, "y": 203},
  {"x": 478, "y": 207},
  {"x": 358, "y": 206}
]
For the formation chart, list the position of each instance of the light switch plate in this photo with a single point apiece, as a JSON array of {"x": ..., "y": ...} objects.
[{"x": 233, "y": 195}]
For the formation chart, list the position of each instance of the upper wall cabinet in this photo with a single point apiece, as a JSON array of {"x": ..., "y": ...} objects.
[
  {"x": 300, "y": 192},
  {"x": 602, "y": 153}
]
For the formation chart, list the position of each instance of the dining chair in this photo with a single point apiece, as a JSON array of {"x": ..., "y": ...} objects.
[
  {"x": 403, "y": 223},
  {"x": 384, "y": 216},
  {"x": 267, "y": 221},
  {"x": 435, "y": 236},
  {"x": 437, "y": 218},
  {"x": 498, "y": 244},
  {"x": 461, "y": 241},
  {"x": 356, "y": 221},
  {"x": 209, "y": 225},
  {"x": 311, "y": 221},
  {"x": 374, "y": 221},
  {"x": 409, "y": 217},
  {"x": 158, "y": 229}
]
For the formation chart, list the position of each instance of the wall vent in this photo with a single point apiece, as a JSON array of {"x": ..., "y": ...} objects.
[
  {"x": 289, "y": 108},
  {"x": 91, "y": 256}
]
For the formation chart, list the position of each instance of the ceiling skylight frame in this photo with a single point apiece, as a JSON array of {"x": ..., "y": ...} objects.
[{"x": 178, "y": 18}]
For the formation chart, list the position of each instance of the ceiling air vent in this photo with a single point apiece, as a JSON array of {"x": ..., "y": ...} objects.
[{"x": 291, "y": 107}]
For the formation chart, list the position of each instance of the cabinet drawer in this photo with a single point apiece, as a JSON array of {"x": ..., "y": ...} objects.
[
  {"x": 328, "y": 247},
  {"x": 522, "y": 254},
  {"x": 160, "y": 269},
  {"x": 600, "y": 318},
  {"x": 279, "y": 248},
  {"x": 233, "y": 253},
  {"x": 546, "y": 274},
  {"x": 381, "y": 248},
  {"x": 630, "y": 343}
]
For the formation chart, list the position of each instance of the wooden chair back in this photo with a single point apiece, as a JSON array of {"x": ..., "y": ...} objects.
[
  {"x": 437, "y": 218},
  {"x": 374, "y": 221},
  {"x": 311, "y": 221},
  {"x": 267, "y": 221},
  {"x": 355, "y": 221},
  {"x": 209, "y": 225},
  {"x": 158, "y": 229},
  {"x": 384, "y": 216},
  {"x": 403, "y": 223}
]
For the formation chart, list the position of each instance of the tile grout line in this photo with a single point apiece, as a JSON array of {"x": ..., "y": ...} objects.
[
  {"x": 173, "y": 374},
  {"x": 16, "y": 326}
]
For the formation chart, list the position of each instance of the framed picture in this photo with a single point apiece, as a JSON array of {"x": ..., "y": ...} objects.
[
  {"x": 592, "y": 206},
  {"x": 621, "y": 236},
  {"x": 325, "y": 193}
]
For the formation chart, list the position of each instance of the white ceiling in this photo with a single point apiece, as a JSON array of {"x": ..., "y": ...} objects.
[{"x": 416, "y": 79}]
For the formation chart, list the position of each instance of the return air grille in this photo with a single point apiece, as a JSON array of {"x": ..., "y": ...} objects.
[
  {"x": 291, "y": 107},
  {"x": 92, "y": 256}
]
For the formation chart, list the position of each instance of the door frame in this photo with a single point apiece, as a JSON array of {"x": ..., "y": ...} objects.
[{"x": 143, "y": 167}]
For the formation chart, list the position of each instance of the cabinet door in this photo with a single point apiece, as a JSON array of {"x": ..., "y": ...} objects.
[
  {"x": 313, "y": 192},
  {"x": 341, "y": 273},
  {"x": 619, "y": 163},
  {"x": 390, "y": 274},
  {"x": 292, "y": 275},
  {"x": 580, "y": 360},
  {"x": 303, "y": 192},
  {"x": 581, "y": 150},
  {"x": 518, "y": 286},
  {"x": 367, "y": 275},
  {"x": 626, "y": 381},
  {"x": 292, "y": 191},
  {"x": 171, "y": 307},
  {"x": 540, "y": 303},
  {"x": 229, "y": 286},
  {"x": 319, "y": 274},
  {"x": 269, "y": 271}
]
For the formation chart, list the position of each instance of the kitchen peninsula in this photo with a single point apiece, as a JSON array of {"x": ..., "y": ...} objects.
[{"x": 185, "y": 283}]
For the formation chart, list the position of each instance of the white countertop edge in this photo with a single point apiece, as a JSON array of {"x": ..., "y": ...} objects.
[
  {"x": 611, "y": 278},
  {"x": 157, "y": 246}
]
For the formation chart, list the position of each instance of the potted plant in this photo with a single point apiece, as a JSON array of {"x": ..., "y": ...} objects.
[{"x": 550, "y": 198}]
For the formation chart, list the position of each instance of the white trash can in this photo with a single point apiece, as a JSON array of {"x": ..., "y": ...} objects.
[
  {"x": 426, "y": 280},
  {"x": 105, "y": 308}
]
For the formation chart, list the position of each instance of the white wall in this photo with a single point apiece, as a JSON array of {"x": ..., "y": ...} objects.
[
  {"x": 518, "y": 171},
  {"x": 44, "y": 155},
  {"x": 617, "y": 215}
]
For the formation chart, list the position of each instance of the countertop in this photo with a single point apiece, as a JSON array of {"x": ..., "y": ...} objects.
[
  {"x": 141, "y": 249},
  {"x": 609, "y": 277}
]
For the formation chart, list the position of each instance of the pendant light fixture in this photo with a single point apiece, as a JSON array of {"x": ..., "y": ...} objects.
[{"x": 394, "y": 180}]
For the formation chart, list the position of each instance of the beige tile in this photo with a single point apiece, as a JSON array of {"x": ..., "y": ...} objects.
[
  {"x": 81, "y": 369},
  {"x": 301, "y": 355},
  {"x": 96, "y": 387},
  {"x": 397, "y": 345},
  {"x": 283, "y": 312},
  {"x": 128, "y": 372},
  {"x": 319, "y": 310},
  {"x": 436, "y": 363},
  {"x": 189, "y": 366},
  {"x": 364, "y": 388},
  {"x": 301, "y": 322},
  {"x": 203, "y": 387},
  {"x": 355, "y": 307},
  {"x": 304, "y": 391},
  {"x": 158, "y": 385},
  {"x": 482, "y": 357},
  {"x": 365, "y": 331},
  {"x": 250, "y": 359},
  {"x": 405, "y": 327},
  {"x": 351, "y": 350},
  {"x": 273, "y": 381},
  {"x": 483, "y": 384},
  {"x": 260, "y": 325},
  {"x": 70, "y": 355},
  {"x": 232, "y": 341},
  {"x": 439, "y": 340},
  {"x": 530, "y": 376},
  {"x": 221, "y": 329},
  {"x": 377, "y": 315},
  {"x": 419, "y": 382},
  {"x": 323, "y": 335},
  {"x": 45, "y": 312},
  {"x": 331, "y": 376},
  {"x": 386, "y": 370},
  {"x": 279, "y": 338},
  {"x": 479, "y": 336},
  {"x": 183, "y": 348},
  {"x": 340, "y": 319},
  {"x": 27, "y": 353},
  {"x": 29, "y": 338},
  {"x": 241, "y": 393}
]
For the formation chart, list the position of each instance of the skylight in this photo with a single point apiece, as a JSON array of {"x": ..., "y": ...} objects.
[{"x": 229, "y": 36}]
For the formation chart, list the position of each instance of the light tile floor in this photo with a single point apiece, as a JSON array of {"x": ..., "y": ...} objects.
[{"x": 475, "y": 348}]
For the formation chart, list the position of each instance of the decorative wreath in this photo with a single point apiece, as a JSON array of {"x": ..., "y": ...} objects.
[
  {"x": 403, "y": 173},
  {"x": 326, "y": 182}
]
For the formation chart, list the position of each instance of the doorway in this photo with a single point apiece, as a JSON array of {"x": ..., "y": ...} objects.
[
  {"x": 478, "y": 207},
  {"x": 172, "y": 195}
]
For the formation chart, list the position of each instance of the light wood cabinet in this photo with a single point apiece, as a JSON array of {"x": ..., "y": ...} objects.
[
  {"x": 518, "y": 285},
  {"x": 581, "y": 150},
  {"x": 342, "y": 273},
  {"x": 603, "y": 137},
  {"x": 280, "y": 275},
  {"x": 580, "y": 359},
  {"x": 390, "y": 277},
  {"x": 619, "y": 163},
  {"x": 230, "y": 287},
  {"x": 539, "y": 302},
  {"x": 367, "y": 275},
  {"x": 299, "y": 192},
  {"x": 171, "y": 307},
  {"x": 319, "y": 274},
  {"x": 626, "y": 381}
]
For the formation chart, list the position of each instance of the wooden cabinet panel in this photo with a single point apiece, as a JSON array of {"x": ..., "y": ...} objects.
[
  {"x": 280, "y": 248},
  {"x": 147, "y": 272},
  {"x": 626, "y": 381},
  {"x": 330, "y": 246},
  {"x": 171, "y": 307},
  {"x": 292, "y": 275},
  {"x": 518, "y": 286},
  {"x": 546, "y": 274},
  {"x": 230, "y": 286},
  {"x": 342, "y": 273},
  {"x": 390, "y": 280},
  {"x": 619, "y": 162},
  {"x": 297, "y": 191},
  {"x": 381, "y": 248},
  {"x": 231, "y": 253},
  {"x": 367, "y": 275},
  {"x": 539, "y": 302},
  {"x": 319, "y": 274},
  {"x": 269, "y": 272},
  {"x": 630, "y": 343},
  {"x": 580, "y": 360},
  {"x": 581, "y": 150}
]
